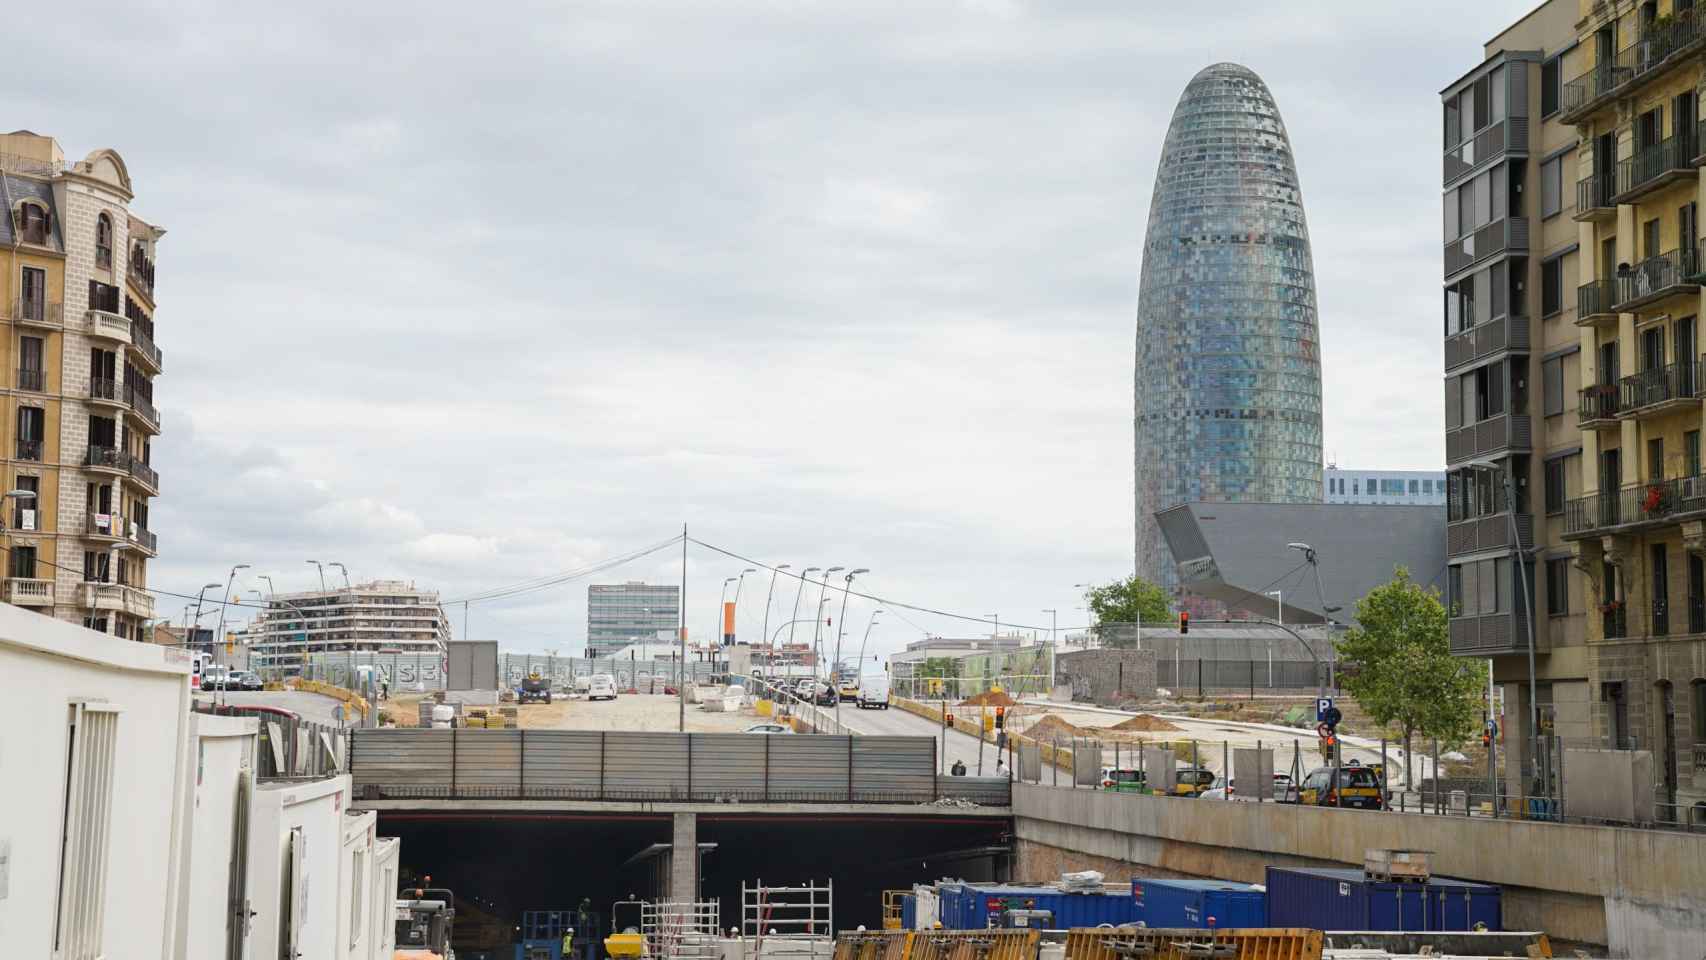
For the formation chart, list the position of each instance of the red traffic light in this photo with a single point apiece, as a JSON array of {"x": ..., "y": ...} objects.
[{"x": 1184, "y": 621}]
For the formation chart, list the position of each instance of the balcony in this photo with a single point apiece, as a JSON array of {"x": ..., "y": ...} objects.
[
  {"x": 36, "y": 313},
  {"x": 142, "y": 410},
  {"x": 104, "y": 325},
  {"x": 146, "y": 542},
  {"x": 1506, "y": 136},
  {"x": 1593, "y": 198},
  {"x": 1645, "y": 59},
  {"x": 1594, "y": 303},
  {"x": 104, "y": 526},
  {"x": 1478, "y": 534},
  {"x": 1656, "y": 167},
  {"x": 1598, "y": 405},
  {"x": 1495, "y": 435},
  {"x": 1493, "y": 239},
  {"x": 1658, "y": 391},
  {"x": 1489, "y": 636},
  {"x": 1655, "y": 278},
  {"x": 105, "y": 392},
  {"x": 34, "y": 381},
  {"x": 1613, "y": 621},
  {"x": 25, "y": 592},
  {"x": 143, "y": 474},
  {"x": 106, "y": 460},
  {"x": 1636, "y": 506},
  {"x": 1485, "y": 340},
  {"x": 118, "y": 598},
  {"x": 141, "y": 272},
  {"x": 29, "y": 450},
  {"x": 143, "y": 349}
]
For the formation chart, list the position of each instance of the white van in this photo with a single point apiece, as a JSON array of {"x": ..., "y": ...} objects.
[{"x": 874, "y": 691}]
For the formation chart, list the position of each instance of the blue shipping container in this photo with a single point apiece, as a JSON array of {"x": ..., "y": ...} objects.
[
  {"x": 980, "y": 906},
  {"x": 1344, "y": 899},
  {"x": 1189, "y": 903},
  {"x": 909, "y": 912},
  {"x": 948, "y": 905}
]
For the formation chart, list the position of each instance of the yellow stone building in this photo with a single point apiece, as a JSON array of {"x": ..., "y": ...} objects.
[{"x": 78, "y": 367}]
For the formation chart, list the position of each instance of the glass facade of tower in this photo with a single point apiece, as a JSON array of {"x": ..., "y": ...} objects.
[{"x": 1228, "y": 376}]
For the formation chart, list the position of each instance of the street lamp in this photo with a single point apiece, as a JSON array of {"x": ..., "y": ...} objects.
[
  {"x": 817, "y": 651},
  {"x": 1527, "y": 615},
  {"x": 1279, "y": 616},
  {"x": 867, "y": 639},
  {"x": 734, "y": 627},
  {"x": 770, "y": 596},
  {"x": 225, "y": 598},
  {"x": 322, "y": 568},
  {"x": 1053, "y": 621},
  {"x": 993, "y": 637},
  {"x": 794, "y": 617},
  {"x": 198, "y": 599},
  {"x": 841, "y": 628},
  {"x": 342, "y": 570},
  {"x": 723, "y": 599},
  {"x": 1326, "y": 611},
  {"x": 817, "y": 635}
]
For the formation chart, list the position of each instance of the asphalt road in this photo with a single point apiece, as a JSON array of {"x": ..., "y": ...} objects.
[
  {"x": 309, "y": 706},
  {"x": 897, "y": 722}
]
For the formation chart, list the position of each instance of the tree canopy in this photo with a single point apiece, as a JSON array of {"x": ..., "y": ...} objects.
[
  {"x": 1397, "y": 663},
  {"x": 1130, "y": 600}
]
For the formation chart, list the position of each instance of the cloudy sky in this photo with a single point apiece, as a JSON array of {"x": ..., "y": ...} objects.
[{"x": 475, "y": 295}]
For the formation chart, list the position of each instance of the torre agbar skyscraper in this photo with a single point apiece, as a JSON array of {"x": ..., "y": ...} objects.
[{"x": 1228, "y": 377}]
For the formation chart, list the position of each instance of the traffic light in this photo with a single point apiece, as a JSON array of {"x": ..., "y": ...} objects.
[
  {"x": 1000, "y": 717},
  {"x": 1331, "y": 718},
  {"x": 1184, "y": 622}
]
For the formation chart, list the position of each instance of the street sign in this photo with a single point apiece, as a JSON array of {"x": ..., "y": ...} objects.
[{"x": 1322, "y": 705}]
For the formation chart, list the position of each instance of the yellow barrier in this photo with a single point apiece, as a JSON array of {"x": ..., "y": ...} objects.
[
  {"x": 872, "y": 945},
  {"x": 762, "y": 707},
  {"x": 973, "y": 945},
  {"x": 354, "y": 700},
  {"x": 1117, "y": 943}
]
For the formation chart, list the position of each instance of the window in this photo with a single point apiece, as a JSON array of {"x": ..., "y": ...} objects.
[
  {"x": 30, "y": 376},
  {"x": 32, "y": 221},
  {"x": 1552, "y": 287},
  {"x": 1699, "y": 711},
  {"x": 24, "y": 509},
  {"x": 1656, "y": 459},
  {"x": 1691, "y": 453},
  {"x": 23, "y": 563},
  {"x": 1558, "y": 587},
  {"x": 86, "y": 828},
  {"x": 1551, "y": 188},
  {"x": 97, "y": 567},
  {"x": 103, "y": 296},
  {"x": 32, "y": 426},
  {"x": 1551, "y": 86},
  {"x": 1415, "y": 487},
  {"x": 104, "y": 242},
  {"x": 32, "y": 294},
  {"x": 1552, "y": 386},
  {"x": 1555, "y": 486}
]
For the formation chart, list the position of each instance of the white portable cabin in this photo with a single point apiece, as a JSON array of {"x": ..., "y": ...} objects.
[{"x": 296, "y": 844}]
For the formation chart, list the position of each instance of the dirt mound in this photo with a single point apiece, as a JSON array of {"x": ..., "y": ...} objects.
[
  {"x": 1050, "y": 727},
  {"x": 994, "y": 698},
  {"x": 1145, "y": 723}
]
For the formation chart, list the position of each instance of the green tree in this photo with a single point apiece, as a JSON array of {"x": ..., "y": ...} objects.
[
  {"x": 1397, "y": 663},
  {"x": 1131, "y": 600}
]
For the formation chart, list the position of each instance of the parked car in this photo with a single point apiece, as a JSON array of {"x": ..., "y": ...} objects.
[
  {"x": 1354, "y": 786},
  {"x": 215, "y": 677},
  {"x": 1124, "y": 780},
  {"x": 248, "y": 679},
  {"x": 1192, "y": 781},
  {"x": 767, "y": 728},
  {"x": 1225, "y": 791},
  {"x": 601, "y": 686}
]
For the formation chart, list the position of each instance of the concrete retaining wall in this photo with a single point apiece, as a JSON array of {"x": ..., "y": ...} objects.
[
  {"x": 1641, "y": 892},
  {"x": 1102, "y": 676}
]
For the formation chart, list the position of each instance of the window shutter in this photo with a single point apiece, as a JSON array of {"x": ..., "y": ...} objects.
[{"x": 93, "y": 732}]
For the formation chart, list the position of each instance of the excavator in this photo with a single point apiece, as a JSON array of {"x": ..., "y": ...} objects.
[{"x": 424, "y": 918}]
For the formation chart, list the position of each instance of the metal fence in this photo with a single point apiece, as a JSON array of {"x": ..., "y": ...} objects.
[
  {"x": 289, "y": 745},
  {"x": 619, "y": 765}
]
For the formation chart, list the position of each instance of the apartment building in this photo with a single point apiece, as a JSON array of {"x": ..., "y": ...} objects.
[
  {"x": 78, "y": 371},
  {"x": 1392, "y": 487},
  {"x": 621, "y": 614},
  {"x": 1573, "y": 176},
  {"x": 383, "y": 616}
]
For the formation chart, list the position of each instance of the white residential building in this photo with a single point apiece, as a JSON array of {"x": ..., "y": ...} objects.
[
  {"x": 389, "y": 616},
  {"x": 1409, "y": 488}
]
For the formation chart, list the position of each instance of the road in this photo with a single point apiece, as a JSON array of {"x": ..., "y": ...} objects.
[
  {"x": 308, "y": 706},
  {"x": 897, "y": 722}
]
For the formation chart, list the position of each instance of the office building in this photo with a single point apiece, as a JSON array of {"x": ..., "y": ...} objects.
[
  {"x": 1228, "y": 375},
  {"x": 383, "y": 616},
  {"x": 621, "y": 614},
  {"x": 1572, "y": 270},
  {"x": 78, "y": 295},
  {"x": 1410, "y": 488}
]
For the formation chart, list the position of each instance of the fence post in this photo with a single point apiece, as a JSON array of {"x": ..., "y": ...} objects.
[
  {"x": 1270, "y": 785},
  {"x": 1385, "y": 778},
  {"x": 521, "y": 760},
  {"x": 1199, "y": 678},
  {"x": 1437, "y": 808},
  {"x": 1054, "y": 761},
  {"x": 453, "y": 732},
  {"x": 849, "y": 768},
  {"x": 767, "y": 767},
  {"x": 602, "y": 736},
  {"x": 1226, "y": 770}
]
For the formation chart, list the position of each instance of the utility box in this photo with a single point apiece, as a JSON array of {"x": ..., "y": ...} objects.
[{"x": 1254, "y": 772}]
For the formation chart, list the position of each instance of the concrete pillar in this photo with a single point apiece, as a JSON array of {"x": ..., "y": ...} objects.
[{"x": 684, "y": 858}]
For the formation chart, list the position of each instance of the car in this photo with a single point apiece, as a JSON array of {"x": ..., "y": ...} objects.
[
  {"x": 804, "y": 688},
  {"x": 1124, "y": 780},
  {"x": 1354, "y": 786},
  {"x": 826, "y": 696},
  {"x": 1222, "y": 791},
  {"x": 216, "y": 677},
  {"x": 246, "y": 680},
  {"x": 601, "y": 686},
  {"x": 767, "y": 728},
  {"x": 1192, "y": 781}
]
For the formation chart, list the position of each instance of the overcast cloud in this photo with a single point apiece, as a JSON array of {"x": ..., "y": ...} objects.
[{"x": 472, "y": 295}]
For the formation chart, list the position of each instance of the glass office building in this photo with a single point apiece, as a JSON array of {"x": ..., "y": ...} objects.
[
  {"x": 621, "y": 614},
  {"x": 1228, "y": 376}
]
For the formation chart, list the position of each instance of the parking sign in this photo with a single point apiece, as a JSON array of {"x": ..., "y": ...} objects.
[{"x": 1322, "y": 705}]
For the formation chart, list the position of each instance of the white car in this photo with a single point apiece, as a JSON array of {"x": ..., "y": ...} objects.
[
  {"x": 767, "y": 728},
  {"x": 601, "y": 686},
  {"x": 1282, "y": 783}
]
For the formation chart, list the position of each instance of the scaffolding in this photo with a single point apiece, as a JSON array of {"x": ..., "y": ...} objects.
[
  {"x": 785, "y": 921},
  {"x": 682, "y": 931}
]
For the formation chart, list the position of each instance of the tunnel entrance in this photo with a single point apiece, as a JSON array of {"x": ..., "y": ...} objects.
[{"x": 502, "y": 864}]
